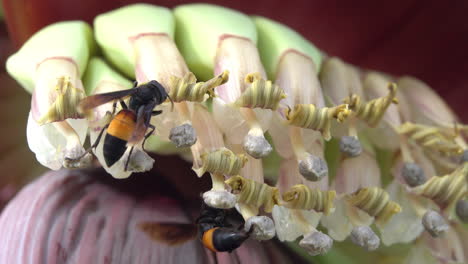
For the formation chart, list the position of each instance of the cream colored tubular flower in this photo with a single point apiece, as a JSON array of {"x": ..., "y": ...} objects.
[
  {"x": 462, "y": 232},
  {"x": 443, "y": 143},
  {"x": 100, "y": 78},
  {"x": 432, "y": 139},
  {"x": 292, "y": 223},
  {"x": 385, "y": 118},
  {"x": 210, "y": 155},
  {"x": 300, "y": 209},
  {"x": 431, "y": 110},
  {"x": 348, "y": 220},
  {"x": 420, "y": 253},
  {"x": 378, "y": 109},
  {"x": 143, "y": 48},
  {"x": 417, "y": 212},
  {"x": 50, "y": 65},
  {"x": 339, "y": 80},
  {"x": 215, "y": 39},
  {"x": 449, "y": 248},
  {"x": 294, "y": 62},
  {"x": 407, "y": 225},
  {"x": 447, "y": 190},
  {"x": 253, "y": 195},
  {"x": 461, "y": 210},
  {"x": 296, "y": 214}
]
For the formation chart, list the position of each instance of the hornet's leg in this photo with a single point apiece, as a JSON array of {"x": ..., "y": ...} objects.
[
  {"x": 123, "y": 104},
  {"x": 147, "y": 136},
  {"x": 114, "y": 107},
  {"x": 156, "y": 112},
  {"x": 128, "y": 159},
  {"x": 153, "y": 128},
  {"x": 95, "y": 144},
  {"x": 98, "y": 139}
]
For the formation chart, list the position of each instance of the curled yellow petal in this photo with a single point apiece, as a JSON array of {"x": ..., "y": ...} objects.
[
  {"x": 254, "y": 193},
  {"x": 260, "y": 93},
  {"x": 431, "y": 138},
  {"x": 372, "y": 111},
  {"x": 445, "y": 191},
  {"x": 302, "y": 197},
  {"x": 221, "y": 161},
  {"x": 65, "y": 104},
  {"x": 209, "y": 137},
  {"x": 188, "y": 89},
  {"x": 375, "y": 202},
  {"x": 312, "y": 117}
]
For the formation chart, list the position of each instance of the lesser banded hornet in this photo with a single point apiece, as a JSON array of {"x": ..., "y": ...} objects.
[
  {"x": 129, "y": 125},
  {"x": 213, "y": 227}
]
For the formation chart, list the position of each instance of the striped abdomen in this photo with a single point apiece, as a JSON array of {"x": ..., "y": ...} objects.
[
  {"x": 220, "y": 239},
  {"x": 118, "y": 133}
]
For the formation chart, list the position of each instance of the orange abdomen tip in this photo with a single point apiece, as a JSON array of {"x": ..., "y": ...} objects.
[
  {"x": 122, "y": 125},
  {"x": 207, "y": 239}
]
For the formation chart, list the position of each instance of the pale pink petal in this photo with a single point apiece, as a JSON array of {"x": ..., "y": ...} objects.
[
  {"x": 405, "y": 226},
  {"x": 68, "y": 217},
  {"x": 358, "y": 172},
  {"x": 73, "y": 217},
  {"x": 429, "y": 109},
  {"x": 376, "y": 85}
]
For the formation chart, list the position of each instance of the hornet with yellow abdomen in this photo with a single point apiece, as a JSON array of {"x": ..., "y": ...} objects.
[
  {"x": 213, "y": 226},
  {"x": 215, "y": 233},
  {"x": 129, "y": 125}
]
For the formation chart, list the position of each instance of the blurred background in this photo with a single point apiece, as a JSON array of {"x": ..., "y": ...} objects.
[{"x": 426, "y": 39}]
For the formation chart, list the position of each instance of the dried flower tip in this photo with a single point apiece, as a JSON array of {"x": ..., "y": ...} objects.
[
  {"x": 254, "y": 142},
  {"x": 65, "y": 105},
  {"x": 309, "y": 116},
  {"x": 316, "y": 243},
  {"x": 313, "y": 168},
  {"x": 256, "y": 145},
  {"x": 443, "y": 163},
  {"x": 220, "y": 199},
  {"x": 260, "y": 93},
  {"x": 446, "y": 190},
  {"x": 365, "y": 237},
  {"x": 291, "y": 224},
  {"x": 222, "y": 161},
  {"x": 73, "y": 155},
  {"x": 464, "y": 156},
  {"x": 74, "y": 159},
  {"x": 302, "y": 197},
  {"x": 140, "y": 161},
  {"x": 413, "y": 174},
  {"x": 375, "y": 202},
  {"x": 431, "y": 138},
  {"x": 462, "y": 210},
  {"x": 183, "y": 136},
  {"x": 254, "y": 193},
  {"x": 434, "y": 223},
  {"x": 350, "y": 146},
  {"x": 372, "y": 111},
  {"x": 261, "y": 227},
  {"x": 187, "y": 89}
]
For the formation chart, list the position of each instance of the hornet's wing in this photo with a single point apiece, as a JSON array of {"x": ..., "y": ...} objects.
[
  {"x": 143, "y": 121},
  {"x": 169, "y": 233},
  {"x": 98, "y": 99}
]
